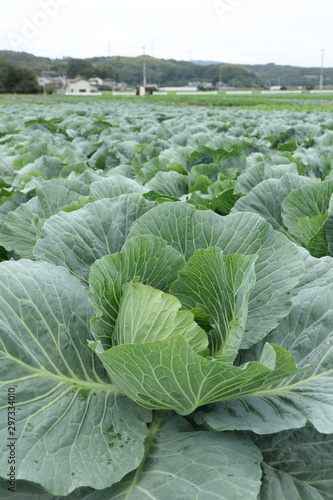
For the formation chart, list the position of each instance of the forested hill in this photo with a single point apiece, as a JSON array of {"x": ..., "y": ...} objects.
[
  {"x": 38, "y": 64},
  {"x": 279, "y": 74},
  {"x": 130, "y": 69},
  {"x": 276, "y": 74},
  {"x": 172, "y": 72}
]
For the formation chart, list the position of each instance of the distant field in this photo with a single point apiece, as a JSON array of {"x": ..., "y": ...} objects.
[{"x": 297, "y": 102}]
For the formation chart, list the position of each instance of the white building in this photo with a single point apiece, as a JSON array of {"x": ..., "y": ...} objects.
[
  {"x": 178, "y": 89},
  {"x": 96, "y": 80},
  {"x": 52, "y": 83},
  {"x": 44, "y": 80},
  {"x": 80, "y": 86},
  {"x": 109, "y": 82},
  {"x": 275, "y": 87},
  {"x": 206, "y": 85}
]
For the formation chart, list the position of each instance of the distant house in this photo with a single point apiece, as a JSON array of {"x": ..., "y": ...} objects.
[
  {"x": 122, "y": 86},
  {"x": 206, "y": 85},
  {"x": 109, "y": 83},
  {"x": 193, "y": 84},
  {"x": 44, "y": 80},
  {"x": 275, "y": 87},
  {"x": 96, "y": 80},
  {"x": 51, "y": 83},
  {"x": 80, "y": 86}
]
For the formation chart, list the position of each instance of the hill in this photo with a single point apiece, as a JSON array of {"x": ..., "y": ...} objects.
[
  {"x": 173, "y": 72},
  {"x": 130, "y": 69},
  {"x": 38, "y": 64},
  {"x": 276, "y": 74},
  {"x": 279, "y": 74}
]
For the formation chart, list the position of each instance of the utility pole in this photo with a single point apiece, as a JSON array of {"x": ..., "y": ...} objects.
[
  {"x": 44, "y": 86},
  {"x": 220, "y": 82},
  {"x": 321, "y": 71},
  {"x": 144, "y": 69}
]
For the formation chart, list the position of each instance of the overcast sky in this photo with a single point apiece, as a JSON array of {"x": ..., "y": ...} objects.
[{"x": 236, "y": 31}]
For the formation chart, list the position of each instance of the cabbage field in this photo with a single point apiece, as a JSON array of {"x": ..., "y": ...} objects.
[{"x": 166, "y": 303}]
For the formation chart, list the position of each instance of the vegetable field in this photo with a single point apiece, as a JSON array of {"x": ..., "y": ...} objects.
[{"x": 166, "y": 303}]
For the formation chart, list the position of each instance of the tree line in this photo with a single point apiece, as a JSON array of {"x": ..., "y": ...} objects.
[
  {"x": 19, "y": 70},
  {"x": 17, "y": 79},
  {"x": 160, "y": 72}
]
